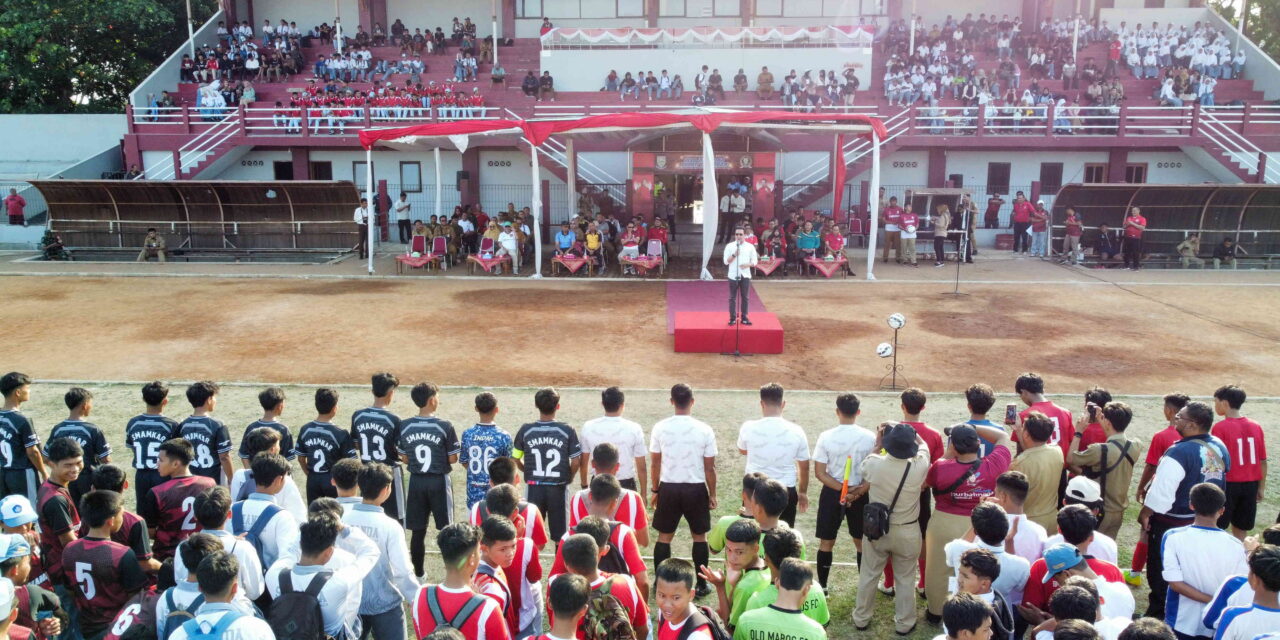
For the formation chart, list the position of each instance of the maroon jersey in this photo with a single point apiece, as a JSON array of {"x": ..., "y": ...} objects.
[
  {"x": 170, "y": 508},
  {"x": 132, "y": 534},
  {"x": 103, "y": 576},
  {"x": 137, "y": 619},
  {"x": 58, "y": 515}
]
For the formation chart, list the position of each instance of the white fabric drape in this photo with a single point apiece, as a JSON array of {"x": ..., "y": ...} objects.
[
  {"x": 708, "y": 35},
  {"x": 710, "y": 204},
  {"x": 368, "y": 190},
  {"x": 536, "y": 208},
  {"x": 873, "y": 205},
  {"x": 439, "y": 187}
]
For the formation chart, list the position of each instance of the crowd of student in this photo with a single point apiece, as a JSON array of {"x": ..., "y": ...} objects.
[{"x": 962, "y": 514}]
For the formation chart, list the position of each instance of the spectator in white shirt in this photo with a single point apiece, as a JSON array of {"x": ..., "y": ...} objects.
[
  {"x": 361, "y": 217},
  {"x": 684, "y": 478},
  {"x": 1198, "y": 558},
  {"x": 216, "y": 577},
  {"x": 279, "y": 536},
  {"x": 1079, "y": 519},
  {"x": 626, "y": 435},
  {"x": 391, "y": 583},
  {"x": 1010, "y": 494},
  {"x": 212, "y": 508},
  {"x": 342, "y": 571},
  {"x": 779, "y": 449},
  {"x": 190, "y": 553},
  {"x": 267, "y": 440},
  {"x": 990, "y": 527}
]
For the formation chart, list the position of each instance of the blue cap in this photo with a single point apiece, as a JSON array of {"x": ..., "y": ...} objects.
[
  {"x": 1059, "y": 558},
  {"x": 13, "y": 545},
  {"x": 16, "y": 510}
]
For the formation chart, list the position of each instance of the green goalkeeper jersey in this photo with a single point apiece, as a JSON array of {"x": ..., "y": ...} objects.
[
  {"x": 772, "y": 623},
  {"x": 815, "y": 605}
]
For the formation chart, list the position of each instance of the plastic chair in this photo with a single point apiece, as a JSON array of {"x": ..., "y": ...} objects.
[
  {"x": 418, "y": 244},
  {"x": 855, "y": 231},
  {"x": 440, "y": 247},
  {"x": 655, "y": 248},
  {"x": 487, "y": 245}
]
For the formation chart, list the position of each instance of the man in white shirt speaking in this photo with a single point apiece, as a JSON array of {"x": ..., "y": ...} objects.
[{"x": 740, "y": 256}]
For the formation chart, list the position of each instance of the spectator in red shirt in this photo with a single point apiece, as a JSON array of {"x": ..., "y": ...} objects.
[
  {"x": 892, "y": 233},
  {"x": 14, "y": 204},
  {"x": 581, "y": 557},
  {"x": 1030, "y": 387},
  {"x": 1113, "y": 57},
  {"x": 1247, "y": 475},
  {"x": 1021, "y": 222},
  {"x": 1088, "y": 429},
  {"x": 1071, "y": 239},
  {"x": 1039, "y": 231},
  {"x": 1134, "y": 225}
]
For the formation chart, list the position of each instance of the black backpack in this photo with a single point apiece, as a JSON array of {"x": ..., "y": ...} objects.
[
  {"x": 704, "y": 615},
  {"x": 296, "y": 615}
]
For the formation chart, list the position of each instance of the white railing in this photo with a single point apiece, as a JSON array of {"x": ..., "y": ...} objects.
[
  {"x": 158, "y": 115},
  {"x": 559, "y": 153},
  {"x": 199, "y": 147},
  {"x": 853, "y": 151},
  {"x": 165, "y": 76},
  {"x": 1158, "y": 121},
  {"x": 1238, "y": 148},
  {"x": 1239, "y": 115}
]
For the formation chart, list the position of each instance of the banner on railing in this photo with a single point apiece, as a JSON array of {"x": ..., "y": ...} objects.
[{"x": 859, "y": 34}]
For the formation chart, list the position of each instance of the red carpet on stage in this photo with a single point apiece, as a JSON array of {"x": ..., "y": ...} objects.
[
  {"x": 709, "y": 332},
  {"x": 701, "y": 295}
]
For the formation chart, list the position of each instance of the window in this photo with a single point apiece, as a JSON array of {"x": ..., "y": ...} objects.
[
  {"x": 631, "y": 8},
  {"x": 1135, "y": 173},
  {"x": 1050, "y": 177},
  {"x": 358, "y": 174},
  {"x": 998, "y": 177},
  {"x": 322, "y": 170},
  {"x": 768, "y": 8},
  {"x": 1095, "y": 172},
  {"x": 411, "y": 177},
  {"x": 529, "y": 8},
  {"x": 726, "y": 8},
  {"x": 671, "y": 8}
]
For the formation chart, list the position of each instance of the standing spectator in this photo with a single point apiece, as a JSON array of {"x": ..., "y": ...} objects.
[
  {"x": 630, "y": 508},
  {"x": 909, "y": 223},
  {"x": 217, "y": 578},
  {"x": 341, "y": 572},
  {"x": 1160, "y": 442},
  {"x": 683, "y": 455},
  {"x": 402, "y": 207},
  {"x": 966, "y": 617},
  {"x": 1262, "y": 615},
  {"x": 459, "y": 545},
  {"x": 1247, "y": 447},
  {"x": 361, "y": 217},
  {"x": 989, "y": 528},
  {"x": 1197, "y": 559},
  {"x": 1021, "y": 223},
  {"x": 1110, "y": 462},
  {"x": 375, "y": 430},
  {"x": 14, "y": 205},
  {"x": 581, "y": 557},
  {"x": 59, "y": 519},
  {"x": 1071, "y": 238},
  {"x": 892, "y": 232},
  {"x": 390, "y": 584},
  {"x": 991, "y": 217},
  {"x": 626, "y": 435},
  {"x": 1030, "y": 389},
  {"x": 1197, "y": 458},
  {"x": 549, "y": 453},
  {"x": 786, "y": 616},
  {"x": 1134, "y": 225},
  {"x": 275, "y": 531},
  {"x": 894, "y": 479},
  {"x": 979, "y": 399},
  {"x": 840, "y": 450},
  {"x": 1042, "y": 462},
  {"x": 1039, "y": 231},
  {"x": 779, "y": 449},
  {"x": 1027, "y": 536}
]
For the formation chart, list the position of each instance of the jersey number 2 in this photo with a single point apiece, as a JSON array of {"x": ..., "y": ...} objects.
[{"x": 188, "y": 507}]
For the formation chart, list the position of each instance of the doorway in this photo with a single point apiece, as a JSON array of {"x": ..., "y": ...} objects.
[{"x": 283, "y": 170}]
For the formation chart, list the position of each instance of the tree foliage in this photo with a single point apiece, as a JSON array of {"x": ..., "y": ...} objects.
[
  {"x": 64, "y": 56},
  {"x": 1263, "y": 23}
]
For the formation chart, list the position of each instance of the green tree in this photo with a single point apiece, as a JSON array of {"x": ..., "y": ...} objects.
[
  {"x": 64, "y": 56},
  {"x": 1262, "y": 25}
]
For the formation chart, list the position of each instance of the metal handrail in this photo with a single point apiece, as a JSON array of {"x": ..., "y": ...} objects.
[
  {"x": 895, "y": 126},
  {"x": 197, "y": 148},
  {"x": 1235, "y": 144}
]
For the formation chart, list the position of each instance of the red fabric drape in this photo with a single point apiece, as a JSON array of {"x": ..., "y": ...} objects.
[{"x": 838, "y": 171}]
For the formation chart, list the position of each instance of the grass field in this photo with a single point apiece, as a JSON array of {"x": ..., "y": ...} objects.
[{"x": 723, "y": 409}]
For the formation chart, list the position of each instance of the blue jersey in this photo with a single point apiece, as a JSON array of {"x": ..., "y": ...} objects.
[
  {"x": 480, "y": 445},
  {"x": 1203, "y": 458}
]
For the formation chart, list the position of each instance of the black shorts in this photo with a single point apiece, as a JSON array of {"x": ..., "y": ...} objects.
[
  {"x": 22, "y": 482},
  {"x": 831, "y": 512},
  {"x": 394, "y": 506},
  {"x": 320, "y": 485},
  {"x": 793, "y": 501},
  {"x": 682, "y": 500},
  {"x": 144, "y": 480},
  {"x": 429, "y": 495},
  {"x": 1242, "y": 506},
  {"x": 553, "y": 501},
  {"x": 629, "y": 483}
]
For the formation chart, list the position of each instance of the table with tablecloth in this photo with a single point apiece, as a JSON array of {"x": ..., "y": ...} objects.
[
  {"x": 643, "y": 263},
  {"x": 767, "y": 266},
  {"x": 829, "y": 267},
  {"x": 487, "y": 264},
  {"x": 571, "y": 262},
  {"x": 416, "y": 262}
]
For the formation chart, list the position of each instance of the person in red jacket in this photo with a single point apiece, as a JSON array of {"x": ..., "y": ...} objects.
[
  {"x": 1131, "y": 246},
  {"x": 1021, "y": 223}
]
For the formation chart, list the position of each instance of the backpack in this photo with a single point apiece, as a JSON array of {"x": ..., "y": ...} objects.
[
  {"x": 875, "y": 517},
  {"x": 704, "y": 615},
  {"x": 489, "y": 571},
  {"x": 178, "y": 616},
  {"x": 194, "y": 632},
  {"x": 613, "y": 561},
  {"x": 296, "y": 615},
  {"x": 432, "y": 594},
  {"x": 254, "y": 535},
  {"x": 606, "y": 618}
]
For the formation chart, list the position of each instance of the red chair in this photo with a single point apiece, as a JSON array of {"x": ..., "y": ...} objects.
[
  {"x": 418, "y": 244},
  {"x": 487, "y": 246},
  {"x": 855, "y": 230},
  {"x": 440, "y": 247}
]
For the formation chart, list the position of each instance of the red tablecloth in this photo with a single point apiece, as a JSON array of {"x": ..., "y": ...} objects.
[
  {"x": 572, "y": 263},
  {"x": 644, "y": 263},
  {"x": 827, "y": 267},
  {"x": 416, "y": 263},
  {"x": 487, "y": 263},
  {"x": 767, "y": 266}
]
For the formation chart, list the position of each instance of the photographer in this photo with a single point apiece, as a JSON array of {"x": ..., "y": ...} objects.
[{"x": 1110, "y": 462}]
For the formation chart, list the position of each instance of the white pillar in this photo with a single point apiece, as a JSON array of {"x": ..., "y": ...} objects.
[
  {"x": 368, "y": 190},
  {"x": 535, "y": 208},
  {"x": 873, "y": 205},
  {"x": 710, "y": 204},
  {"x": 571, "y": 175},
  {"x": 439, "y": 187},
  {"x": 911, "y": 28},
  {"x": 191, "y": 38}
]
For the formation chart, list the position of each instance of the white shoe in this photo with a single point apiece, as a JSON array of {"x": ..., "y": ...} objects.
[{"x": 888, "y": 591}]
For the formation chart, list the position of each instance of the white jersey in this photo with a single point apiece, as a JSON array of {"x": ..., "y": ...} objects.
[
  {"x": 683, "y": 442},
  {"x": 773, "y": 447},
  {"x": 1247, "y": 623},
  {"x": 622, "y": 433},
  {"x": 836, "y": 446},
  {"x": 1203, "y": 558}
]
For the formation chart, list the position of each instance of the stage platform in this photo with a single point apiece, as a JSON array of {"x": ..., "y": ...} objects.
[{"x": 709, "y": 332}]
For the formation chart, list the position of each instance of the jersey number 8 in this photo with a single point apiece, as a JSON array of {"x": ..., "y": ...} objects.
[{"x": 479, "y": 458}]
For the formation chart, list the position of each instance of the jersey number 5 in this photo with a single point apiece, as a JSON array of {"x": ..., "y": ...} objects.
[{"x": 85, "y": 579}]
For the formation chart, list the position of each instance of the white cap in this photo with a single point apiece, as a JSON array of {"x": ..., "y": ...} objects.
[
  {"x": 6, "y": 594},
  {"x": 1084, "y": 490},
  {"x": 16, "y": 510}
]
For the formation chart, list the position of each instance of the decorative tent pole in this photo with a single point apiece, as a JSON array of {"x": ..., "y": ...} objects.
[
  {"x": 439, "y": 186},
  {"x": 368, "y": 188},
  {"x": 873, "y": 204},
  {"x": 710, "y": 204},
  {"x": 536, "y": 208}
]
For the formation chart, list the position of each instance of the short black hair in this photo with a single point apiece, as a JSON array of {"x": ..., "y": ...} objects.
[
  {"x": 76, "y": 396},
  {"x": 383, "y": 383},
  {"x": 743, "y": 531},
  {"x": 154, "y": 392},
  {"x": 268, "y": 467},
  {"x": 502, "y": 500},
  {"x": 270, "y": 398},
  {"x": 605, "y": 488},
  {"x": 567, "y": 595},
  {"x": 964, "y": 612},
  {"x": 981, "y": 397},
  {"x": 502, "y": 470},
  {"x": 1271, "y": 535},
  {"x": 12, "y": 381},
  {"x": 496, "y": 528},
  {"x": 199, "y": 392},
  {"x": 913, "y": 400},
  {"x": 546, "y": 400},
  {"x": 1076, "y": 523},
  {"x": 612, "y": 398},
  {"x": 98, "y": 506},
  {"x": 752, "y": 480},
  {"x": 580, "y": 553},
  {"x": 422, "y": 393},
  {"x": 1201, "y": 414},
  {"x": 1176, "y": 400},
  {"x": 605, "y": 455},
  {"x": 1232, "y": 394},
  {"x": 1118, "y": 414},
  {"x": 196, "y": 548},
  {"x": 1073, "y": 603},
  {"x": 1147, "y": 629},
  {"x": 681, "y": 395},
  {"x": 677, "y": 571},
  {"x": 318, "y": 533},
  {"x": 457, "y": 542},
  {"x": 261, "y": 440},
  {"x": 1075, "y": 630},
  {"x": 108, "y": 477},
  {"x": 990, "y": 523},
  {"x": 326, "y": 400},
  {"x": 325, "y": 504},
  {"x": 771, "y": 496},
  {"x": 781, "y": 543},
  {"x": 1038, "y": 426},
  {"x": 373, "y": 478},
  {"x": 1029, "y": 382},
  {"x": 212, "y": 506},
  {"x": 1015, "y": 484},
  {"x": 1097, "y": 395},
  {"x": 179, "y": 449},
  {"x": 794, "y": 574},
  {"x": 1207, "y": 499},
  {"x": 596, "y": 527},
  {"x": 981, "y": 562},
  {"x": 60, "y": 449},
  {"x": 217, "y": 572},
  {"x": 771, "y": 393},
  {"x": 848, "y": 404},
  {"x": 346, "y": 473},
  {"x": 486, "y": 402}
]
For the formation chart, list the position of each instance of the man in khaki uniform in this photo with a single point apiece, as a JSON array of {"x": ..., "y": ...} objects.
[
  {"x": 1110, "y": 462},
  {"x": 1042, "y": 463},
  {"x": 905, "y": 464},
  {"x": 152, "y": 246}
]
